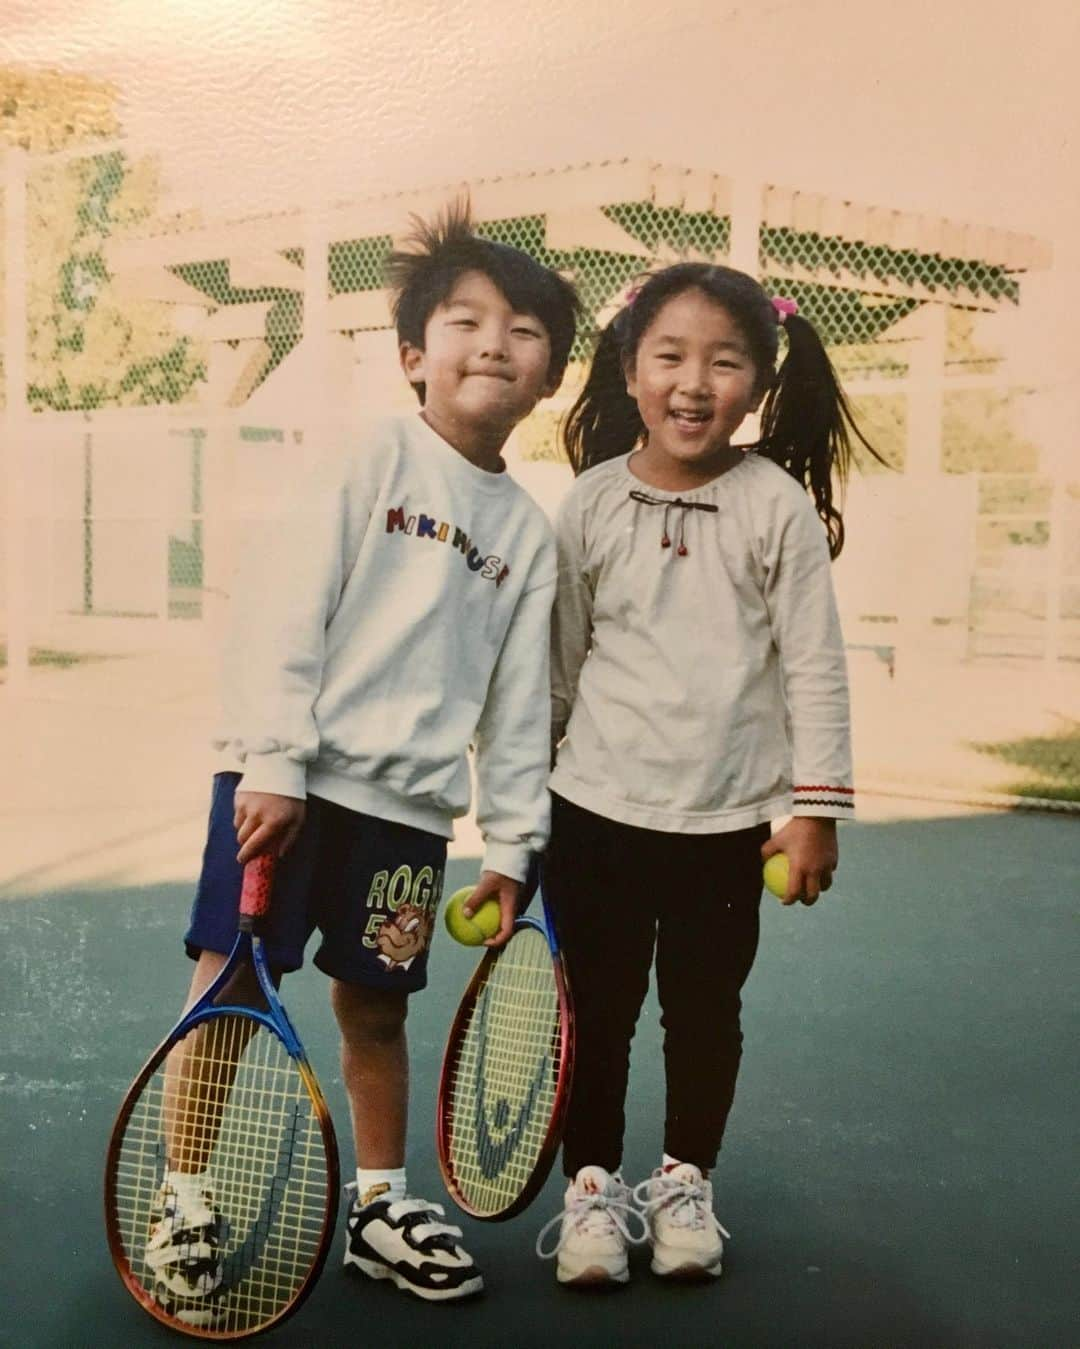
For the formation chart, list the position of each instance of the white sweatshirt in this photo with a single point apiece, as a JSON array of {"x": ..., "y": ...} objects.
[
  {"x": 704, "y": 692},
  {"x": 397, "y": 614}
]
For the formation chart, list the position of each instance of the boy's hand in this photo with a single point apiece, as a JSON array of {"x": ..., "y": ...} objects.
[
  {"x": 812, "y": 853},
  {"x": 494, "y": 885},
  {"x": 266, "y": 823}
]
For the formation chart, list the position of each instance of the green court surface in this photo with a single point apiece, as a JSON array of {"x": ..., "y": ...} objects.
[{"x": 897, "y": 1170}]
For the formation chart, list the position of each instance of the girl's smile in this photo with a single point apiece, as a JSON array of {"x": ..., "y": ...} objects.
[{"x": 694, "y": 383}]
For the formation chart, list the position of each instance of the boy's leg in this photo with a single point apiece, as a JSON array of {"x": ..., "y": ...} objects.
[
  {"x": 188, "y": 1072},
  {"x": 378, "y": 886},
  {"x": 200, "y": 1069},
  {"x": 207, "y": 968},
  {"x": 200, "y": 1072},
  {"x": 375, "y": 1066},
  {"x": 389, "y": 1235},
  {"x": 185, "y": 1237}
]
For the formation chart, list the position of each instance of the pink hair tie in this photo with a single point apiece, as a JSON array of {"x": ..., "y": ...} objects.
[
  {"x": 632, "y": 294},
  {"x": 784, "y": 307}
]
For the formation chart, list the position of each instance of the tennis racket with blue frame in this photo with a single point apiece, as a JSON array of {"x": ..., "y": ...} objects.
[
  {"x": 230, "y": 1099},
  {"x": 507, "y": 1072}
]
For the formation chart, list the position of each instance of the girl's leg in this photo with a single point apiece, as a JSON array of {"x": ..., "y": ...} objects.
[
  {"x": 598, "y": 884},
  {"x": 708, "y": 936}
]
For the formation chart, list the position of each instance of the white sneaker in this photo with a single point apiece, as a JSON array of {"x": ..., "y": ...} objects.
[
  {"x": 593, "y": 1231},
  {"x": 184, "y": 1252},
  {"x": 685, "y": 1235}
]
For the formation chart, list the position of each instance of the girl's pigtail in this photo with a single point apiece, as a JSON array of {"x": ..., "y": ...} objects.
[
  {"x": 604, "y": 421},
  {"x": 807, "y": 425}
]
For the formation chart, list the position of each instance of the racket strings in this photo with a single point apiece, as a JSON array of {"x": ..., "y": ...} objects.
[
  {"x": 231, "y": 1102},
  {"x": 503, "y": 1085}
]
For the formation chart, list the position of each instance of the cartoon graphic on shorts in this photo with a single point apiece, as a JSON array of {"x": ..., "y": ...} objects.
[{"x": 404, "y": 936}]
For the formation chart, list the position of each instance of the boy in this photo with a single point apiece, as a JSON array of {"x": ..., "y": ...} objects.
[{"x": 399, "y": 615}]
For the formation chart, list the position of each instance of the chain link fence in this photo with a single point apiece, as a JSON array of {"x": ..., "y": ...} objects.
[{"x": 167, "y": 369}]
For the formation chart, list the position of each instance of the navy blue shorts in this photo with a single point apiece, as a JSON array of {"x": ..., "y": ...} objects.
[{"x": 370, "y": 886}]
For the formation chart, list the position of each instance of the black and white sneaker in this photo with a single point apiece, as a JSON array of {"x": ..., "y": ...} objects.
[
  {"x": 184, "y": 1254},
  {"x": 406, "y": 1240}
]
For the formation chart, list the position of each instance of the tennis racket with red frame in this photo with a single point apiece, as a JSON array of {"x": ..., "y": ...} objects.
[
  {"x": 506, "y": 1074},
  {"x": 221, "y": 1180}
]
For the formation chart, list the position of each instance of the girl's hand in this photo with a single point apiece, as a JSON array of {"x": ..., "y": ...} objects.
[
  {"x": 812, "y": 853},
  {"x": 494, "y": 885},
  {"x": 266, "y": 823}
]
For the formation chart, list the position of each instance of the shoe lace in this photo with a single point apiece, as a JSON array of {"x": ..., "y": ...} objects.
[
  {"x": 685, "y": 1203},
  {"x": 187, "y": 1235},
  {"x": 189, "y": 1213},
  {"x": 432, "y": 1228},
  {"x": 593, "y": 1214}
]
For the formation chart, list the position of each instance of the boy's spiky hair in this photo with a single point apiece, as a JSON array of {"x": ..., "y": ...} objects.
[{"x": 440, "y": 251}]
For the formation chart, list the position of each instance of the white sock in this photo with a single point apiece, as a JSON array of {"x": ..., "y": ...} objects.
[
  {"x": 368, "y": 1182},
  {"x": 615, "y": 1175},
  {"x": 189, "y": 1186},
  {"x": 669, "y": 1163}
]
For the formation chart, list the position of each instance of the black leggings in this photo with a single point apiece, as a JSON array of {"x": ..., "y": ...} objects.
[{"x": 615, "y": 890}]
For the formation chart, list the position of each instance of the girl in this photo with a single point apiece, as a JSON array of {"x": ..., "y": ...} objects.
[{"x": 698, "y": 691}]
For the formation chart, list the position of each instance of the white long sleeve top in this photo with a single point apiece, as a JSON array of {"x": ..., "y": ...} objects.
[
  {"x": 397, "y": 614},
  {"x": 704, "y": 691}
]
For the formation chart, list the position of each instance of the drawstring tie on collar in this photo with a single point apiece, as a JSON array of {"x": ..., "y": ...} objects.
[{"x": 684, "y": 506}]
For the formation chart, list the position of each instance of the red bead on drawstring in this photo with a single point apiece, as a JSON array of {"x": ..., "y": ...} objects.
[{"x": 684, "y": 506}]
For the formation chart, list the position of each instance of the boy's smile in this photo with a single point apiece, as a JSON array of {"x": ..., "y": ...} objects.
[{"x": 484, "y": 367}]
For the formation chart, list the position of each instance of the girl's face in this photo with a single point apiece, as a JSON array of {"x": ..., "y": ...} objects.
[{"x": 694, "y": 382}]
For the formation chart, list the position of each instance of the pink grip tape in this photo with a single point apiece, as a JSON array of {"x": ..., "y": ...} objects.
[{"x": 258, "y": 880}]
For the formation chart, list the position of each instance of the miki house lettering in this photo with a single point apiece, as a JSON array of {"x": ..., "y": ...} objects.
[{"x": 490, "y": 568}]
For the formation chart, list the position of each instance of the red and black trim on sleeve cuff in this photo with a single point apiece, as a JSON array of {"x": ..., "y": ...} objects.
[{"x": 817, "y": 794}]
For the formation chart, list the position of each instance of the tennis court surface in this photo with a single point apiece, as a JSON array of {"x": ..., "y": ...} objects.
[{"x": 897, "y": 1170}]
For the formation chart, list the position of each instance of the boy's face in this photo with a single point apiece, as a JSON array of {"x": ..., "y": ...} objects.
[{"x": 484, "y": 366}]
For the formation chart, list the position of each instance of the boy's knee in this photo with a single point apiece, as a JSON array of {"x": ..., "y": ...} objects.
[{"x": 369, "y": 1015}]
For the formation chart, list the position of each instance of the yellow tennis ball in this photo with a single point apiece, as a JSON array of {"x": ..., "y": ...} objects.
[
  {"x": 472, "y": 931},
  {"x": 775, "y": 873}
]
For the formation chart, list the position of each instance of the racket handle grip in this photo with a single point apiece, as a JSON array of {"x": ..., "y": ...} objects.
[{"x": 258, "y": 880}]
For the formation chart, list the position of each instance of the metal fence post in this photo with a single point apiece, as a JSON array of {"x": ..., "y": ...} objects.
[
  {"x": 15, "y": 422},
  {"x": 744, "y": 250}
]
